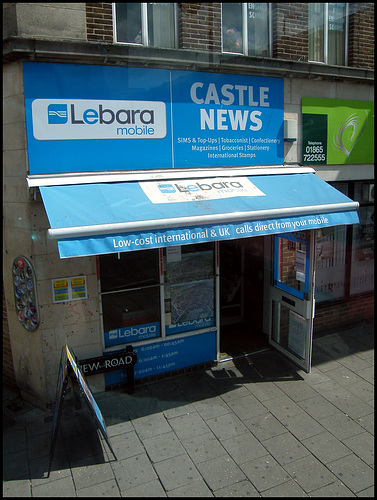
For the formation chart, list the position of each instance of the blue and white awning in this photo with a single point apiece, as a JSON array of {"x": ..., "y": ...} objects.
[{"x": 107, "y": 217}]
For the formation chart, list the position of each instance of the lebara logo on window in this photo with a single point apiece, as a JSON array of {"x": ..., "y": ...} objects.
[{"x": 57, "y": 114}]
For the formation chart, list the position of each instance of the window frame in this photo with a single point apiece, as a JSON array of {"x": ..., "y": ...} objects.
[
  {"x": 245, "y": 34},
  {"x": 144, "y": 27},
  {"x": 326, "y": 37}
]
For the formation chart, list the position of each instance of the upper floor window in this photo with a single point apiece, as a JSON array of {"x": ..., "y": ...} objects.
[
  {"x": 246, "y": 28},
  {"x": 328, "y": 30},
  {"x": 149, "y": 24}
]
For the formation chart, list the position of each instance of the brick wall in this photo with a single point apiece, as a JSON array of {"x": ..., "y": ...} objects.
[
  {"x": 332, "y": 317},
  {"x": 290, "y": 31},
  {"x": 361, "y": 35},
  {"x": 9, "y": 379},
  {"x": 99, "y": 22},
  {"x": 200, "y": 26}
]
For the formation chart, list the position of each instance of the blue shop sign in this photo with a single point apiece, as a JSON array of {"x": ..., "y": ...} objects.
[
  {"x": 83, "y": 118},
  {"x": 169, "y": 355}
]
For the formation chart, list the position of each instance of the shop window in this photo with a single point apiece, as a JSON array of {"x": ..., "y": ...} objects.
[
  {"x": 149, "y": 24},
  {"x": 330, "y": 280},
  {"x": 362, "y": 263},
  {"x": 246, "y": 28},
  {"x": 189, "y": 275},
  {"x": 130, "y": 296},
  {"x": 139, "y": 304},
  {"x": 327, "y": 32},
  {"x": 345, "y": 254}
]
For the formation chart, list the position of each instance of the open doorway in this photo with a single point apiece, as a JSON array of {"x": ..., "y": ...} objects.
[{"x": 241, "y": 297}]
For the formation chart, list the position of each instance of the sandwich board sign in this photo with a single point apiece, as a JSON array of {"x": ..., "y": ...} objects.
[{"x": 68, "y": 360}]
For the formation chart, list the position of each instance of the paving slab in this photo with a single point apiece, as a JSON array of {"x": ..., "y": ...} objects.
[
  {"x": 288, "y": 489},
  {"x": 326, "y": 447},
  {"x": 220, "y": 472},
  {"x": 302, "y": 425},
  {"x": 133, "y": 471},
  {"x": 335, "y": 489},
  {"x": 91, "y": 475},
  {"x": 191, "y": 424},
  {"x": 176, "y": 472},
  {"x": 106, "y": 489},
  {"x": 244, "y": 447},
  {"x": 211, "y": 407},
  {"x": 265, "y": 473},
  {"x": 17, "y": 488},
  {"x": 353, "y": 472},
  {"x": 163, "y": 446},
  {"x": 362, "y": 445},
  {"x": 341, "y": 426},
  {"x": 151, "y": 425},
  {"x": 246, "y": 407},
  {"x": 203, "y": 447},
  {"x": 265, "y": 426},
  {"x": 283, "y": 407},
  {"x": 310, "y": 473},
  {"x": 197, "y": 488},
  {"x": 63, "y": 487},
  {"x": 240, "y": 489},
  {"x": 226, "y": 426},
  {"x": 285, "y": 448}
]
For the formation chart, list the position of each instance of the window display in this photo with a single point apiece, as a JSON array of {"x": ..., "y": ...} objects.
[
  {"x": 132, "y": 292},
  {"x": 189, "y": 288}
]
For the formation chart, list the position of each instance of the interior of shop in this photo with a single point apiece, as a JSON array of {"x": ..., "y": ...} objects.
[{"x": 241, "y": 297}]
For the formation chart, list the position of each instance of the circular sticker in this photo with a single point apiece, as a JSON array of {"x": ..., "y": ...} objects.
[{"x": 21, "y": 262}]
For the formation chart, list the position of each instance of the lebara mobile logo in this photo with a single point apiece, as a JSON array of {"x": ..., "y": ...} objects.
[
  {"x": 200, "y": 189},
  {"x": 166, "y": 188},
  {"x": 73, "y": 119},
  {"x": 57, "y": 114}
]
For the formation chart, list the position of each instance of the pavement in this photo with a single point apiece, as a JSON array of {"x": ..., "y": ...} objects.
[{"x": 254, "y": 426}]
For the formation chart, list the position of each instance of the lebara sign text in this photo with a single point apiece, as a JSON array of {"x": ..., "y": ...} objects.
[
  {"x": 63, "y": 119},
  {"x": 80, "y": 116}
]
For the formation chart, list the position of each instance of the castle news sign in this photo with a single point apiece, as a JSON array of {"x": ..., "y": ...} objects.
[{"x": 83, "y": 118}]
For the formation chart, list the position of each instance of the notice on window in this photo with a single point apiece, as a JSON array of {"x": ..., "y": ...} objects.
[
  {"x": 300, "y": 265},
  {"x": 297, "y": 334},
  {"x": 173, "y": 254},
  {"x": 66, "y": 289}
]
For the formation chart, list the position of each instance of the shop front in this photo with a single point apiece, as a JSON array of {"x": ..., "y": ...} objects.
[{"x": 202, "y": 237}]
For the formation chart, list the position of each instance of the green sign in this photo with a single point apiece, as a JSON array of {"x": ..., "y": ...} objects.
[{"x": 337, "y": 132}]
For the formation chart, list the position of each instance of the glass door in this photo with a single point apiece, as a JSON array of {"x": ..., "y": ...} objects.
[{"x": 290, "y": 299}]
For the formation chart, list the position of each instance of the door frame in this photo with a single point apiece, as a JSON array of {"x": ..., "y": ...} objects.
[{"x": 300, "y": 305}]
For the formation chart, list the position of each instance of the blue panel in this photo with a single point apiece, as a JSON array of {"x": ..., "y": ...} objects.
[
  {"x": 97, "y": 245},
  {"x": 169, "y": 355},
  {"x": 198, "y": 119}
]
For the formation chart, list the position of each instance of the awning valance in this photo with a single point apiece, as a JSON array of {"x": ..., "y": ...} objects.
[{"x": 100, "y": 218}]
